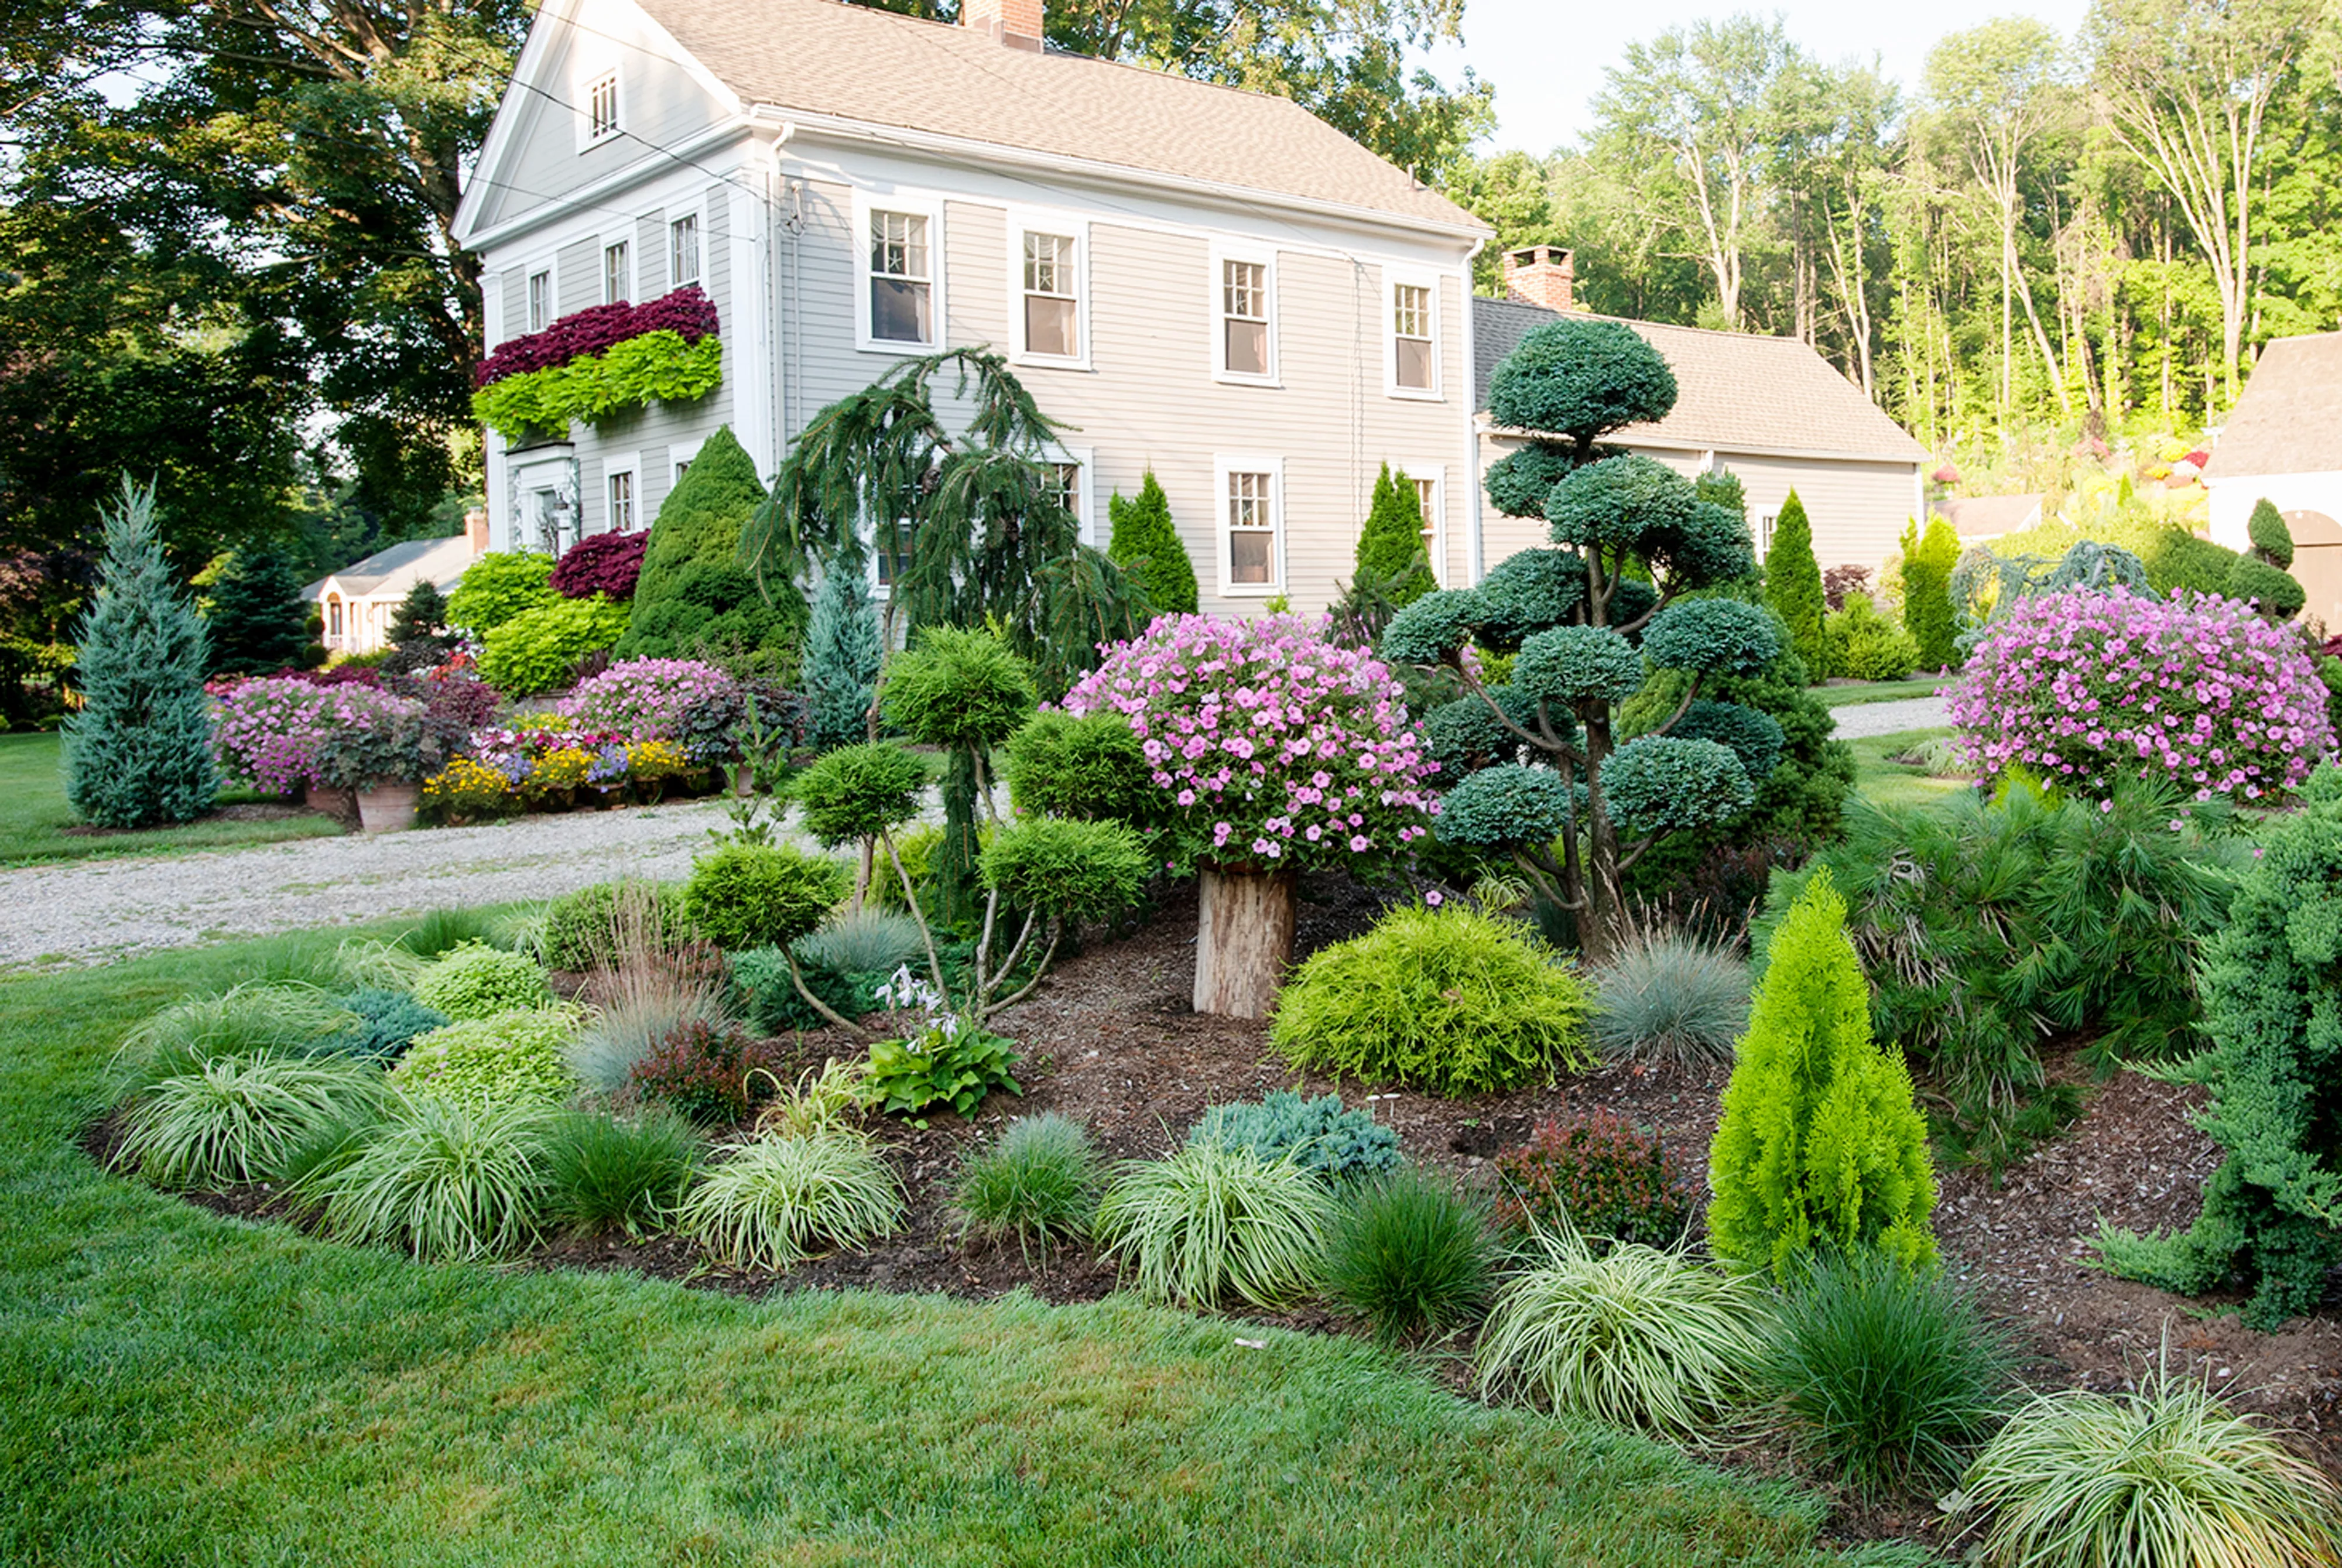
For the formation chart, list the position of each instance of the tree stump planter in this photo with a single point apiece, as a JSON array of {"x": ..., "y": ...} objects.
[
  {"x": 1244, "y": 939},
  {"x": 388, "y": 807}
]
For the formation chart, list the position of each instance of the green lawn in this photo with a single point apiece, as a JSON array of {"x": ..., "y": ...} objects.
[
  {"x": 33, "y": 809},
  {"x": 177, "y": 1387},
  {"x": 1885, "y": 782},
  {"x": 1856, "y": 695}
]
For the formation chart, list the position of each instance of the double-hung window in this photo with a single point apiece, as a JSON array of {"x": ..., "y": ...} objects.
[
  {"x": 540, "y": 299},
  {"x": 1069, "y": 466},
  {"x": 683, "y": 250},
  {"x": 602, "y": 107},
  {"x": 1429, "y": 482},
  {"x": 617, "y": 273},
  {"x": 901, "y": 278},
  {"x": 1252, "y": 510},
  {"x": 1052, "y": 294},
  {"x": 1415, "y": 339},
  {"x": 622, "y": 502},
  {"x": 1247, "y": 322},
  {"x": 891, "y": 553}
]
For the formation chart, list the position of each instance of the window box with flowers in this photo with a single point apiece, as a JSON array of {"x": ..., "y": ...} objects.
[{"x": 594, "y": 363}]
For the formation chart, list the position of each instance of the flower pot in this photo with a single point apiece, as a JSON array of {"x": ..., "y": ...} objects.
[
  {"x": 388, "y": 807},
  {"x": 334, "y": 802}
]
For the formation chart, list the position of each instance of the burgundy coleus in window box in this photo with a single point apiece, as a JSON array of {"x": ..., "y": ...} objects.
[{"x": 686, "y": 311}]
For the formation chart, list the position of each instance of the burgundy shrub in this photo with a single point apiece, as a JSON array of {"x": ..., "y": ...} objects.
[
  {"x": 601, "y": 564},
  {"x": 1840, "y": 581},
  {"x": 687, "y": 312},
  {"x": 1600, "y": 1173}
]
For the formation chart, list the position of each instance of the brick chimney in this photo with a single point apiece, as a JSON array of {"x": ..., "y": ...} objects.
[
  {"x": 1015, "y": 23},
  {"x": 475, "y": 529},
  {"x": 1541, "y": 275}
]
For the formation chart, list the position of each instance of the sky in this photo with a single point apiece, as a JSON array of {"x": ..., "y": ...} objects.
[{"x": 1548, "y": 60}]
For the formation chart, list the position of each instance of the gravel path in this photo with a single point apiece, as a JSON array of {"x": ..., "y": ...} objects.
[
  {"x": 106, "y": 909},
  {"x": 1859, "y": 721}
]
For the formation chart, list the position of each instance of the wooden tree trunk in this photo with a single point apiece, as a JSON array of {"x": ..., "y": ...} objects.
[{"x": 1244, "y": 940}]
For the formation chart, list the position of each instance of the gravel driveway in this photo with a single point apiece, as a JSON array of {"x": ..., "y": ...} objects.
[
  {"x": 106, "y": 909},
  {"x": 1862, "y": 720}
]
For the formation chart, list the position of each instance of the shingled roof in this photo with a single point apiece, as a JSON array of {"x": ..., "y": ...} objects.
[
  {"x": 442, "y": 560},
  {"x": 2289, "y": 419},
  {"x": 1737, "y": 391},
  {"x": 858, "y": 63}
]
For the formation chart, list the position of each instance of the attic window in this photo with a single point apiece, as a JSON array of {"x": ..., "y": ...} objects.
[{"x": 602, "y": 108}]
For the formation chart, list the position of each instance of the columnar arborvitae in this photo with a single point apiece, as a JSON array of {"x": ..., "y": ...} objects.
[
  {"x": 841, "y": 661},
  {"x": 1146, "y": 545},
  {"x": 139, "y": 751},
  {"x": 1927, "y": 562},
  {"x": 1391, "y": 559},
  {"x": 258, "y": 621},
  {"x": 1820, "y": 1145},
  {"x": 2271, "y": 540},
  {"x": 1793, "y": 585}
]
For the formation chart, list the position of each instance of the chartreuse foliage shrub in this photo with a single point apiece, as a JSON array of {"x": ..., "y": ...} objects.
[
  {"x": 965, "y": 691},
  {"x": 627, "y": 375},
  {"x": 2272, "y": 990},
  {"x": 476, "y": 981},
  {"x": 139, "y": 750},
  {"x": 1864, "y": 645},
  {"x": 1887, "y": 1374},
  {"x": 1409, "y": 1254},
  {"x": 2084, "y": 688},
  {"x": 771, "y": 1203},
  {"x": 1589, "y": 621},
  {"x": 858, "y": 792},
  {"x": 1090, "y": 767},
  {"x": 442, "y": 1179},
  {"x": 617, "y": 1172},
  {"x": 581, "y": 928},
  {"x": 1208, "y": 1222},
  {"x": 1319, "y": 1135},
  {"x": 507, "y": 1058},
  {"x": 235, "y": 1119},
  {"x": 538, "y": 649},
  {"x": 1982, "y": 927},
  {"x": 761, "y": 896},
  {"x": 1793, "y": 585},
  {"x": 1599, "y": 1176},
  {"x": 498, "y": 586},
  {"x": 1038, "y": 1183},
  {"x": 1145, "y": 545},
  {"x": 1445, "y": 999},
  {"x": 1820, "y": 1145},
  {"x": 2168, "y": 1474},
  {"x": 1638, "y": 1337}
]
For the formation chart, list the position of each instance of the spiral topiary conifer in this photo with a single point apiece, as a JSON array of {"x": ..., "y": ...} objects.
[
  {"x": 1793, "y": 585},
  {"x": 1820, "y": 1145},
  {"x": 1145, "y": 545},
  {"x": 1546, "y": 776},
  {"x": 139, "y": 751}
]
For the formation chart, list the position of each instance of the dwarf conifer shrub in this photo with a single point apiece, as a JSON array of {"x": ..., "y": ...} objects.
[
  {"x": 235, "y": 1119},
  {"x": 1145, "y": 545},
  {"x": 1445, "y": 999},
  {"x": 757, "y": 895},
  {"x": 1038, "y": 1183},
  {"x": 771, "y": 1203},
  {"x": 507, "y": 1058},
  {"x": 1321, "y": 1136},
  {"x": 475, "y": 980},
  {"x": 1600, "y": 1175},
  {"x": 581, "y": 929},
  {"x": 1820, "y": 1145},
  {"x": 1793, "y": 585},
  {"x": 1091, "y": 767},
  {"x": 841, "y": 661},
  {"x": 1207, "y": 1223},
  {"x": 1409, "y": 1254},
  {"x": 693, "y": 598},
  {"x": 1391, "y": 561},
  {"x": 384, "y": 1024}
]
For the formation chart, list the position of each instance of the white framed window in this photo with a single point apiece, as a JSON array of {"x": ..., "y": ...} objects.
[
  {"x": 683, "y": 250},
  {"x": 622, "y": 489},
  {"x": 617, "y": 272},
  {"x": 1250, "y": 496},
  {"x": 899, "y": 289},
  {"x": 1429, "y": 481},
  {"x": 540, "y": 299},
  {"x": 1411, "y": 335},
  {"x": 1765, "y": 521},
  {"x": 679, "y": 457},
  {"x": 1243, "y": 316},
  {"x": 890, "y": 556},
  {"x": 1049, "y": 291},
  {"x": 603, "y": 110},
  {"x": 1072, "y": 466}
]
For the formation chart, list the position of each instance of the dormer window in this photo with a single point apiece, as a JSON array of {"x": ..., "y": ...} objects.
[{"x": 602, "y": 107}]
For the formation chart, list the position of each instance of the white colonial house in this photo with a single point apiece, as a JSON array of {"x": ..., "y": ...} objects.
[
  {"x": 356, "y": 603},
  {"x": 1770, "y": 409},
  {"x": 1206, "y": 283},
  {"x": 2283, "y": 442}
]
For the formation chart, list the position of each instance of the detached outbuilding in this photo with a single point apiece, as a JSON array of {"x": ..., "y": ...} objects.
[
  {"x": 1771, "y": 410},
  {"x": 2284, "y": 443}
]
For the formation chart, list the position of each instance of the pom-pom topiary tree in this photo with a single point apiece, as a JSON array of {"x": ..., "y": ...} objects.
[
  {"x": 139, "y": 751},
  {"x": 1146, "y": 545},
  {"x": 1793, "y": 585},
  {"x": 258, "y": 622},
  {"x": 2262, "y": 574},
  {"x": 1820, "y": 1145},
  {"x": 1272, "y": 752},
  {"x": 965, "y": 693},
  {"x": 1544, "y": 775},
  {"x": 840, "y": 662}
]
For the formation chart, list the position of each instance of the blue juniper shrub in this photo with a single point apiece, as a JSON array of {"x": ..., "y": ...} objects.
[{"x": 1321, "y": 1136}]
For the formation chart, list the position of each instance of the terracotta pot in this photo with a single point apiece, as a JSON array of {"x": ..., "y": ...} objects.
[
  {"x": 388, "y": 807},
  {"x": 337, "y": 802}
]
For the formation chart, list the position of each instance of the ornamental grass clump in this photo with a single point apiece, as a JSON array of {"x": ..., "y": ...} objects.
[
  {"x": 2164, "y": 1476},
  {"x": 626, "y": 1174},
  {"x": 246, "y": 1020},
  {"x": 1445, "y": 999},
  {"x": 2084, "y": 688},
  {"x": 771, "y": 1203},
  {"x": 1409, "y": 1254},
  {"x": 1636, "y": 1336},
  {"x": 441, "y": 1180},
  {"x": 1038, "y": 1184},
  {"x": 1206, "y": 1223},
  {"x": 236, "y": 1119},
  {"x": 1672, "y": 999}
]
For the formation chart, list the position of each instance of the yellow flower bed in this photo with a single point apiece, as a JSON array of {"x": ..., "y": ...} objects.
[{"x": 466, "y": 787}]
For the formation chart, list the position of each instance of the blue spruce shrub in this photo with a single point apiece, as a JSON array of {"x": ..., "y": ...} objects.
[{"x": 1321, "y": 1136}]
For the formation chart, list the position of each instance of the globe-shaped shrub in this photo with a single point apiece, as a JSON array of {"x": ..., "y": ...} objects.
[
  {"x": 475, "y": 980},
  {"x": 2085, "y": 687},
  {"x": 1445, "y": 999},
  {"x": 1269, "y": 744}
]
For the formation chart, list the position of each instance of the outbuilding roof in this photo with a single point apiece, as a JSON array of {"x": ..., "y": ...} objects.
[
  {"x": 1737, "y": 391},
  {"x": 2289, "y": 419},
  {"x": 862, "y": 63},
  {"x": 442, "y": 560}
]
